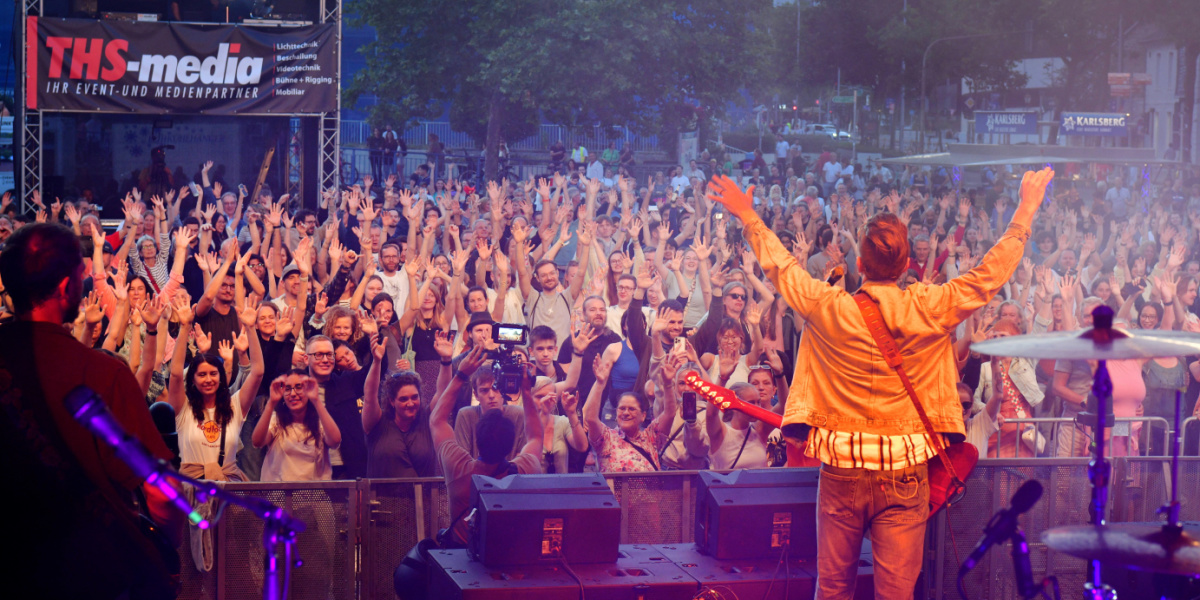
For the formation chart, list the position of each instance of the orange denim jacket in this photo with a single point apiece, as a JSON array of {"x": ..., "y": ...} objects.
[{"x": 841, "y": 381}]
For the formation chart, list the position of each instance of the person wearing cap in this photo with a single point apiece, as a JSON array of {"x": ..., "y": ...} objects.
[{"x": 478, "y": 333}]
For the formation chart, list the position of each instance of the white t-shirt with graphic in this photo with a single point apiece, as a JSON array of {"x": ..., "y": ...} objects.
[{"x": 200, "y": 442}]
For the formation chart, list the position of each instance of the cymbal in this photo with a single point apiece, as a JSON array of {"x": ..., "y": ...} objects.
[
  {"x": 1082, "y": 345},
  {"x": 1132, "y": 545}
]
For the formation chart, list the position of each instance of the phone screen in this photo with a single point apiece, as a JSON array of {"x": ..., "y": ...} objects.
[{"x": 689, "y": 407}]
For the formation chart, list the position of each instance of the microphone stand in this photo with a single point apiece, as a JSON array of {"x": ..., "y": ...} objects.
[{"x": 278, "y": 527}]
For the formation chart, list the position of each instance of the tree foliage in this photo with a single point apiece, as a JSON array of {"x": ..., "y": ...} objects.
[
  {"x": 879, "y": 44},
  {"x": 576, "y": 62}
]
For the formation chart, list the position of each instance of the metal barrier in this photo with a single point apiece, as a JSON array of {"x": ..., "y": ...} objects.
[
  {"x": 595, "y": 138},
  {"x": 360, "y": 530},
  {"x": 1167, "y": 432},
  {"x": 328, "y": 547}
]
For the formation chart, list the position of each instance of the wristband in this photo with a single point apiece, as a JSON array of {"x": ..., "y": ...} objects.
[
  {"x": 459, "y": 376},
  {"x": 152, "y": 331},
  {"x": 579, "y": 354},
  {"x": 446, "y": 363}
]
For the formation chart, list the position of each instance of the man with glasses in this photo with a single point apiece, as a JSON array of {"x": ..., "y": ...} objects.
[
  {"x": 342, "y": 392},
  {"x": 305, "y": 223},
  {"x": 626, "y": 285}
]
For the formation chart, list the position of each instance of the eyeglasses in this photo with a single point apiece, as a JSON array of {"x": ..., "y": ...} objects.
[
  {"x": 624, "y": 288},
  {"x": 737, "y": 296},
  {"x": 254, "y": 265},
  {"x": 321, "y": 355},
  {"x": 288, "y": 389}
]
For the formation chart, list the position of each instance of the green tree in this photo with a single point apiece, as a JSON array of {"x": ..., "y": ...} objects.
[
  {"x": 1178, "y": 18},
  {"x": 501, "y": 64},
  {"x": 878, "y": 44}
]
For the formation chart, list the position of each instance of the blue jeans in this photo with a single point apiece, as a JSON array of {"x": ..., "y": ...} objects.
[{"x": 891, "y": 507}]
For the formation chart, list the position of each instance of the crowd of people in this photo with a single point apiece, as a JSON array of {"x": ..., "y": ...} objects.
[{"x": 348, "y": 338}]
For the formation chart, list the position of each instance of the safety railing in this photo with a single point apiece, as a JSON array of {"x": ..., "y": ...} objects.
[
  {"x": 358, "y": 531},
  {"x": 1051, "y": 441},
  {"x": 594, "y": 138}
]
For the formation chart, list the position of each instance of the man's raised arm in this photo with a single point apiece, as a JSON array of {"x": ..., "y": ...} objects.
[{"x": 797, "y": 287}]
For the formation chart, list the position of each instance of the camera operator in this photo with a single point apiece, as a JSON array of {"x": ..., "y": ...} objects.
[
  {"x": 494, "y": 435},
  {"x": 495, "y": 386}
]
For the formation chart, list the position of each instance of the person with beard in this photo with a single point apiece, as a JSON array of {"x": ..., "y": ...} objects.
[
  {"x": 595, "y": 313},
  {"x": 76, "y": 524}
]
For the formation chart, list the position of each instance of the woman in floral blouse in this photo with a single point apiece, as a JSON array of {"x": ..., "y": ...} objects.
[{"x": 629, "y": 447}]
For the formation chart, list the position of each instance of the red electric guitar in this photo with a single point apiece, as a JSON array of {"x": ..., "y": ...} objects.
[
  {"x": 941, "y": 488},
  {"x": 725, "y": 399}
]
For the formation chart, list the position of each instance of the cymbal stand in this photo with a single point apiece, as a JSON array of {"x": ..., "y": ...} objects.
[{"x": 1100, "y": 470}]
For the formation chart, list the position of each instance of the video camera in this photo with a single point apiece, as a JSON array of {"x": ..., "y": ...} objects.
[{"x": 507, "y": 369}]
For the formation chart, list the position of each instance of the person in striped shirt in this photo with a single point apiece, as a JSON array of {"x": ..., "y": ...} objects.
[{"x": 864, "y": 429}]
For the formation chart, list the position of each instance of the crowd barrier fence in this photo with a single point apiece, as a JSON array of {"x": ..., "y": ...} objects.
[
  {"x": 358, "y": 531},
  {"x": 1143, "y": 449},
  {"x": 594, "y": 138}
]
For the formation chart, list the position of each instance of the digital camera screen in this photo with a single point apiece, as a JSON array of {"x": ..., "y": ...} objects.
[{"x": 511, "y": 334}]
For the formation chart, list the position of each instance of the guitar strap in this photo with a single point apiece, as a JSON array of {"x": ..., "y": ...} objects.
[{"x": 891, "y": 355}]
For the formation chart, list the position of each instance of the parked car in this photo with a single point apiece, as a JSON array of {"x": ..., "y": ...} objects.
[{"x": 821, "y": 129}]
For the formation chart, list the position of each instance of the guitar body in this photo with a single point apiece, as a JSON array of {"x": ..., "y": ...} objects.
[{"x": 942, "y": 486}]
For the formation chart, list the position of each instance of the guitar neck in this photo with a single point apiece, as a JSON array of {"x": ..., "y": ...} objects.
[{"x": 727, "y": 400}]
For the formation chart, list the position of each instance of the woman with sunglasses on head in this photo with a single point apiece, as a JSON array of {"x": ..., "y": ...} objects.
[{"x": 729, "y": 364}]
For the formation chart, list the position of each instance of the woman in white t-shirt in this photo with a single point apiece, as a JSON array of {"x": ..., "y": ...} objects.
[
  {"x": 299, "y": 433},
  {"x": 208, "y": 418}
]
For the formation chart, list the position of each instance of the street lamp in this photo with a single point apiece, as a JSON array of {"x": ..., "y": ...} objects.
[{"x": 925, "y": 57}]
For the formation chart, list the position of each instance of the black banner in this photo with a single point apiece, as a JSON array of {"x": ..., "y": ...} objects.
[{"x": 147, "y": 67}]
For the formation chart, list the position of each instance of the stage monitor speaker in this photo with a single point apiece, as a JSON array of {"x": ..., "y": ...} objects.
[
  {"x": 638, "y": 572},
  {"x": 754, "y": 513},
  {"x": 536, "y": 519}
]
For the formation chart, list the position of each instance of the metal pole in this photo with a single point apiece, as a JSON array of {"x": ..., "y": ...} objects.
[
  {"x": 925, "y": 57},
  {"x": 853, "y": 128},
  {"x": 900, "y": 134}
]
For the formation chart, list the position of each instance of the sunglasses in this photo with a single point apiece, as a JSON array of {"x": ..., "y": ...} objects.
[{"x": 737, "y": 296}]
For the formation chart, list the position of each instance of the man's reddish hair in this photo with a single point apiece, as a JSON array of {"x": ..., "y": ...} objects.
[{"x": 884, "y": 249}]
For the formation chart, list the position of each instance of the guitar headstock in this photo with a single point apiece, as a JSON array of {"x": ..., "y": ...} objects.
[{"x": 722, "y": 397}]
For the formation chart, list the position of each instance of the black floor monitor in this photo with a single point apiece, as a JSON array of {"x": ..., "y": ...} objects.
[
  {"x": 754, "y": 513},
  {"x": 539, "y": 519}
]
